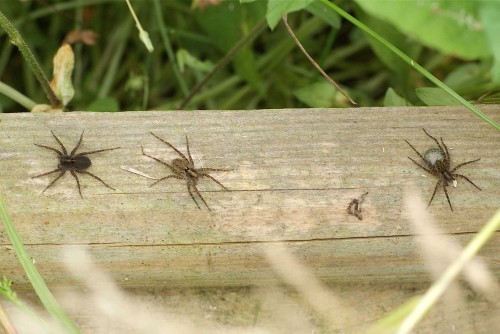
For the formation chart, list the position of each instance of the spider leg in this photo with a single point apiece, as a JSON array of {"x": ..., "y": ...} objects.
[
  {"x": 463, "y": 163},
  {"x": 424, "y": 168},
  {"x": 97, "y": 151},
  {"x": 213, "y": 179},
  {"x": 189, "y": 153},
  {"x": 207, "y": 170},
  {"x": 53, "y": 181},
  {"x": 467, "y": 179},
  {"x": 43, "y": 174},
  {"x": 95, "y": 177},
  {"x": 160, "y": 161},
  {"x": 171, "y": 146},
  {"x": 434, "y": 193},
  {"x": 77, "y": 182},
  {"x": 78, "y": 145},
  {"x": 167, "y": 177},
  {"x": 420, "y": 155},
  {"x": 439, "y": 145},
  {"x": 447, "y": 197},
  {"x": 61, "y": 144},
  {"x": 192, "y": 196},
  {"x": 59, "y": 153},
  {"x": 446, "y": 151}
]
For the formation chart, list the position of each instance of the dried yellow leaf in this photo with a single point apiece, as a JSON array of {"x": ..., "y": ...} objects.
[{"x": 61, "y": 84}]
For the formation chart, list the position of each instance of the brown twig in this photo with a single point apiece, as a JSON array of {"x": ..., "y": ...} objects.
[{"x": 290, "y": 31}]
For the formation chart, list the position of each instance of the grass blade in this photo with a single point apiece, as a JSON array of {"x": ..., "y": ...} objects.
[
  {"x": 43, "y": 292},
  {"x": 411, "y": 62}
]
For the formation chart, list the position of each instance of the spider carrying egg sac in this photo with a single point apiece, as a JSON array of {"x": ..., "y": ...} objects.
[{"x": 432, "y": 155}]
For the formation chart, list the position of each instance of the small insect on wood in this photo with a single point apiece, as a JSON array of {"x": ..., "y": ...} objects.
[
  {"x": 74, "y": 163},
  {"x": 437, "y": 161},
  {"x": 184, "y": 169}
]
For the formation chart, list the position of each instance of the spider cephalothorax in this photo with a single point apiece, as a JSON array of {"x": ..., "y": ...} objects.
[
  {"x": 184, "y": 169},
  {"x": 437, "y": 162},
  {"x": 74, "y": 163}
]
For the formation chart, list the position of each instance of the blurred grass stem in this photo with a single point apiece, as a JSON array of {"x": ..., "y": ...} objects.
[{"x": 17, "y": 40}]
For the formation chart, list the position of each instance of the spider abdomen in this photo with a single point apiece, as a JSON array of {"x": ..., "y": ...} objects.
[
  {"x": 79, "y": 162},
  {"x": 433, "y": 155}
]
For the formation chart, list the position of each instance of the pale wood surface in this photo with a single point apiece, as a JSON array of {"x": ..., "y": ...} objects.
[{"x": 294, "y": 173}]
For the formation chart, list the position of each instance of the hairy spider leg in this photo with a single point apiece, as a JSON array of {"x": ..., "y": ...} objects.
[
  {"x": 60, "y": 144},
  {"x": 213, "y": 179},
  {"x": 445, "y": 192},
  {"x": 424, "y": 168},
  {"x": 59, "y": 153},
  {"x": 160, "y": 161},
  {"x": 464, "y": 163},
  {"x": 199, "y": 195},
  {"x": 463, "y": 176},
  {"x": 167, "y": 177},
  {"x": 467, "y": 179},
  {"x": 446, "y": 151},
  {"x": 447, "y": 197},
  {"x": 192, "y": 196},
  {"x": 171, "y": 146},
  {"x": 53, "y": 181},
  {"x": 205, "y": 170},
  {"x": 189, "y": 153},
  {"x": 97, "y": 151},
  {"x": 420, "y": 155},
  {"x": 77, "y": 181},
  {"x": 95, "y": 177},
  {"x": 439, "y": 145},
  {"x": 47, "y": 173},
  {"x": 77, "y": 145}
]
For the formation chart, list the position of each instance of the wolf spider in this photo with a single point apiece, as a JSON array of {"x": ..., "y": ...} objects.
[
  {"x": 437, "y": 162},
  {"x": 184, "y": 169},
  {"x": 74, "y": 163}
]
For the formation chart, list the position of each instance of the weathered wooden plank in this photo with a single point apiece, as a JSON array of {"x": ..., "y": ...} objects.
[{"x": 294, "y": 173}]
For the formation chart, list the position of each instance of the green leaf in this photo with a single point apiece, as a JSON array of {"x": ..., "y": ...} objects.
[
  {"x": 323, "y": 12},
  {"x": 411, "y": 62},
  {"x": 434, "y": 96},
  {"x": 225, "y": 24},
  {"x": 465, "y": 76},
  {"x": 277, "y": 8},
  {"x": 452, "y": 27},
  {"x": 392, "y": 99},
  {"x": 490, "y": 17},
  {"x": 105, "y": 104},
  {"x": 401, "y": 41},
  {"x": 317, "y": 95},
  {"x": 184, "y": 58}
]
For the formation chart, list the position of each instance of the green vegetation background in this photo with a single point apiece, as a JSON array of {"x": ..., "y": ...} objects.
[{"x": 118, "y": 73}]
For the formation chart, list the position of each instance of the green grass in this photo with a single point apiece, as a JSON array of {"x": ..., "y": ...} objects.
[
  {"x": 119, "y": 73},
  {"x": 36, "y": 280}
]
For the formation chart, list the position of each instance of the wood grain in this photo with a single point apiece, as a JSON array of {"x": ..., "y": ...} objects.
[{"x": 294, "y": 174}]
